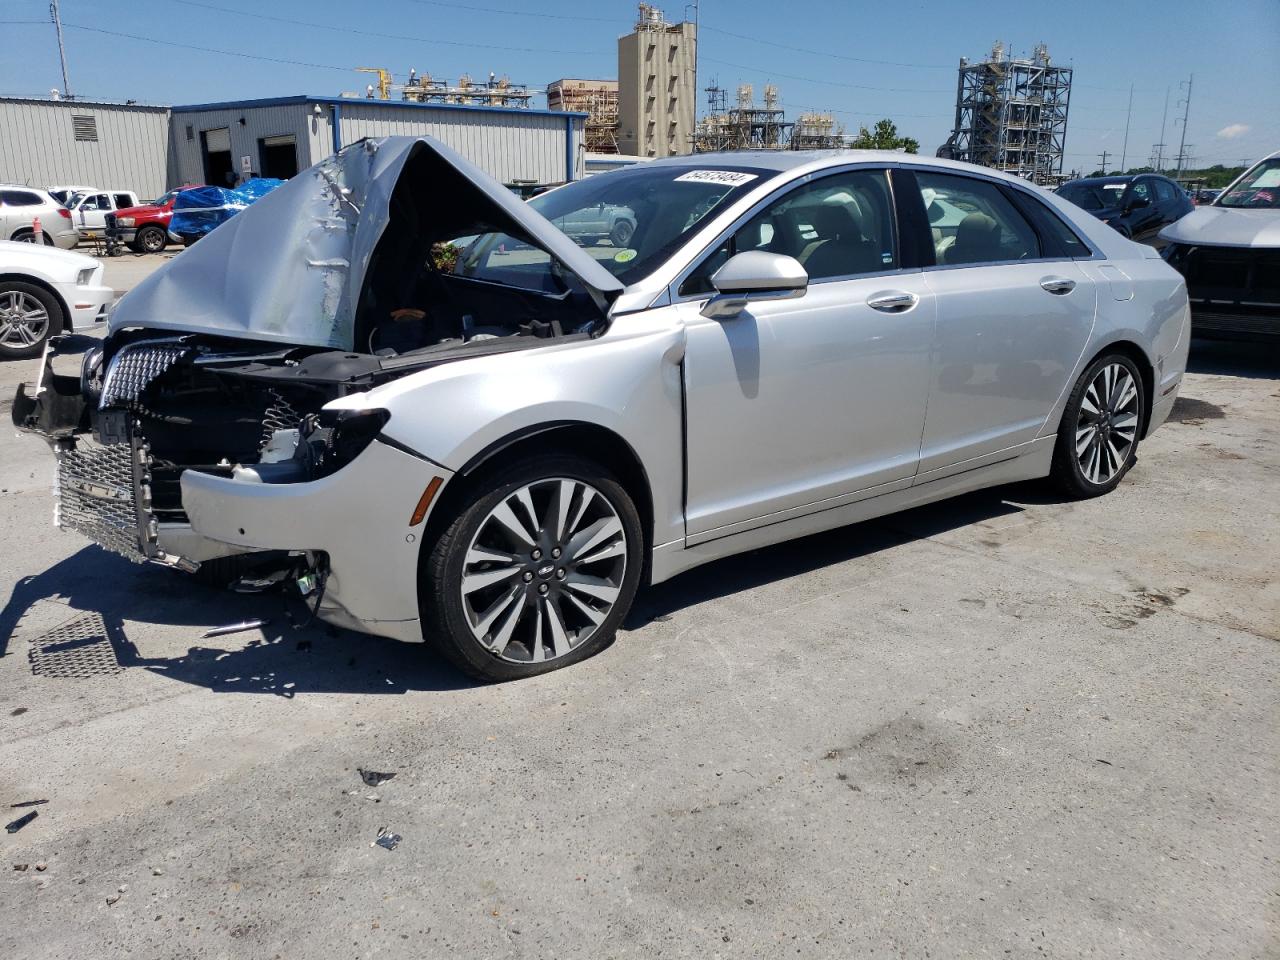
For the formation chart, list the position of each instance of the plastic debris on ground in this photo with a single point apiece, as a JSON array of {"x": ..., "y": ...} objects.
[
  {"x": 386, "y": 839},
  {"x": 240, "y": 627},
  {"x": 22, "y": 821},
  {"x": 372, "y": 778},
  {"x": 28, "y": 803}
]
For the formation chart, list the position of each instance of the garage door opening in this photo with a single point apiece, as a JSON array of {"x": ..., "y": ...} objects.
[
  {"x": 215, "y": 145},
  {"x": 278, "y": 157}
]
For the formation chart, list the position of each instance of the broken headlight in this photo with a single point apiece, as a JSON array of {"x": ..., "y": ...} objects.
[{"x": 336, "y": 437}]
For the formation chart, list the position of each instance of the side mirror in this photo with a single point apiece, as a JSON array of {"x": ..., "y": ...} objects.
[{"x": 754, "y": 276}]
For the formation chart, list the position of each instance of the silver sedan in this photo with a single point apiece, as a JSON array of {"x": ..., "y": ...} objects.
[{"x": 434, "y": 415}]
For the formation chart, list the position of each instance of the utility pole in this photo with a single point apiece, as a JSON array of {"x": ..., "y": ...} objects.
[
  {"x": 1158, "y": 150},
  {"x": 1103, "y": 156},
  {"x": 1186, "y": 112},
  {"x": 62, "y": 51},
  {"x": 1124, "y": 151}
]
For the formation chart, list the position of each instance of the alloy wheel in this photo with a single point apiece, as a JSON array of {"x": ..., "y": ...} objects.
[
  {"x": 23, "y": 319},
  {"x": 544, "y": 569},
  {"x": 1108, "y": 424}
]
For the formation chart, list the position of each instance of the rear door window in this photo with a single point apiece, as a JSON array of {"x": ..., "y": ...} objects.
[
  {"x": 973, "y": 222},
  {"x": 123, "y": 200}
]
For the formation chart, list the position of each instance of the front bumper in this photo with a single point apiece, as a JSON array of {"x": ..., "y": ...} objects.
[
  {"x": 359, "y": 517},
  {"x": 88, "y": 305}
]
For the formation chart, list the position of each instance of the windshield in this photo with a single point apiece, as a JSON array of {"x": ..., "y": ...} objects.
[
  {"x": 629, "y": 220},
  {"x": 1259, "y": 188},
  {"x": 162, "y": 200},
  {"x": 1094, "y": 196}
]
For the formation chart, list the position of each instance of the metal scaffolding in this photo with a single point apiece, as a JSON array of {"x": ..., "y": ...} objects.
[
  {"x": 496, "y": 92},
  {"x": 1011, "y": 114},
  {"x": 598, "y": 99},
  {"x": 747, "y": 126}
]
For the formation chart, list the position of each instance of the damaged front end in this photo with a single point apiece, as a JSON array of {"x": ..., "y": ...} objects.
[
  {"x": 198, "y": 429},
  {"x": 125, "y": 421}
]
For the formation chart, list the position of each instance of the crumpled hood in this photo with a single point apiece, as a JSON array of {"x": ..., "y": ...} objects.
[
  {"x": 1226, "y": 227},
  {"x": 290, "y": 268}
]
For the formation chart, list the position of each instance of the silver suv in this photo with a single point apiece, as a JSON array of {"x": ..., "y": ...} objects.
[{"x": 21, "y": 206}]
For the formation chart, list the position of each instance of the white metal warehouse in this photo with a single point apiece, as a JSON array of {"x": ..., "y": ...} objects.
[
  {"x": 116, "y": 146},
  {"x": 279, "y": 137},
  {"x": 148, "y": 149}
]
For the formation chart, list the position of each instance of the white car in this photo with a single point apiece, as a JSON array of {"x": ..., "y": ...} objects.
[{"x": 43, "y": 291}]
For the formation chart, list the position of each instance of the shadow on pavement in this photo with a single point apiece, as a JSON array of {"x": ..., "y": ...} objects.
[
  {"x": 732, "y": 575},
  {"x": 275, "y": 659}
]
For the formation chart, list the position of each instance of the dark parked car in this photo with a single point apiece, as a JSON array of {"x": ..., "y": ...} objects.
[{"x": 1139, "y": 207}]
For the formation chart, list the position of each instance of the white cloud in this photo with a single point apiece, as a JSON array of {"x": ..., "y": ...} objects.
[{"x": 1233, "y": 131}]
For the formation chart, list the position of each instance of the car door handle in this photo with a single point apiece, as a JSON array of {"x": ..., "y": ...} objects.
[
  {"x": 1058, "y": 285},
  {"x": 894, "y": 301}
]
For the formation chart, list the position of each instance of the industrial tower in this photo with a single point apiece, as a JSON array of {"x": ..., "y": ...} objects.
[{"x": 1011, "y": 115}]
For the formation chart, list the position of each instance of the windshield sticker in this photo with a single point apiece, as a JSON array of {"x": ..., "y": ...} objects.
[
  {"x": 624, "y": 256},
  {"x": 727, "y": 178}
]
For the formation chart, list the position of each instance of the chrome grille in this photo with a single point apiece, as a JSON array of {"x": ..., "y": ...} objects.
[
  {"x": 95, "y": 495},
  {"x": 134, "y": 368}
]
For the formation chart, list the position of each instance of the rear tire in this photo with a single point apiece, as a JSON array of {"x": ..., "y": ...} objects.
[
  {"x": 536, "y": 572},
  {"x": 29, "y": 315},
  {"x": 1098, "y": 437}
]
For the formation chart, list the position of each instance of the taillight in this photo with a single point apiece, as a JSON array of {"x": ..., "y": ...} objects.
[{"x": 64, "y": 212}]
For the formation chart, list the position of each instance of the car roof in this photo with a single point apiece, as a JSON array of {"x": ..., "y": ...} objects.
[
  {"x": 784, "y": 160},
  {"x": 1126, "y": 178}
]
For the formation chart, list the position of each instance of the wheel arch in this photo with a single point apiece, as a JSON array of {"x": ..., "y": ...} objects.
[
  {"x": 49, "y": 288},
  {"x": 577, "y": 437}
]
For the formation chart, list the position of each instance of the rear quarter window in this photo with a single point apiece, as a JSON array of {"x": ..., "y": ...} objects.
[
  {"x": 1060, "y": 240},
  {"x": 21, "y": 198}
]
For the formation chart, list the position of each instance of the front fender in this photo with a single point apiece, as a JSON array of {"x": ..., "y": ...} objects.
[{"x": 627, "y": 381}]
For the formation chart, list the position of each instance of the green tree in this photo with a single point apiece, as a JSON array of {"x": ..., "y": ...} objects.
[{"x": 884, "y": 137}]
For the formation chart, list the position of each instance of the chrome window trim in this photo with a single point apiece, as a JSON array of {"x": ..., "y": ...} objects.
[
  {"x": 1095, "y": 254},
  {"x": 673, "y": 288}
]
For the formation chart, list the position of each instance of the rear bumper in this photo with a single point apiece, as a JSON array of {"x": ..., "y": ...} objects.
[{"x": 358, "y": 517}]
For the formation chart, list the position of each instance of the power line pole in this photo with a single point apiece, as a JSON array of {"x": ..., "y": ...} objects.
[
  {"x": 1182, "y": 145},
  {"x": 1157, "y": 152},
  {"x": 56, "y": 14},
  {"x": 1103, "y": 156},
  {"x": 1124, "y": 151}
]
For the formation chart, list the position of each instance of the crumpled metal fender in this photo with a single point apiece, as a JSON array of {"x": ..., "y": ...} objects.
[{"x": 627, "y": 381}]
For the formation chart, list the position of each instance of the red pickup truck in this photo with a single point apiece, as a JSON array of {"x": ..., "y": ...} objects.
[{"x": 144, "y": 228}]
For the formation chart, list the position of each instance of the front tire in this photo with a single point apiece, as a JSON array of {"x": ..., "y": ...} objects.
[
  {"x": 1098, "y": 438},
  {"x": 150, "y": 240},
  {"x": 536, "y": 572},
  {"x": 28, "y": 316}
]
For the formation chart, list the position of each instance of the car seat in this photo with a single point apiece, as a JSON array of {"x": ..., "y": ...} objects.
[{"x": 977, "y": 241}]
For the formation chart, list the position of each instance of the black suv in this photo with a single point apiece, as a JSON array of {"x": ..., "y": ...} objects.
[{"x": 1137, "y": 206}]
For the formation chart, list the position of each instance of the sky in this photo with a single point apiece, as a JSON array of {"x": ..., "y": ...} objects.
[{"x": 859, "y": 60}]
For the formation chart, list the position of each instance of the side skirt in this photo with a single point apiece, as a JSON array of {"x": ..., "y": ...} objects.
[{"x": 673, "y": 558}]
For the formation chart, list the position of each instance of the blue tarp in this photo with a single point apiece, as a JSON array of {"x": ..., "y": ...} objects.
[{"x": 200, "y": 209}]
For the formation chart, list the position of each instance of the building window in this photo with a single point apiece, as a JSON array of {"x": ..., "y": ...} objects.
[
  {"x": 85, "y": 127},
  {"x": 191, "y": 134},
  {"x": 671, "y": 54}
]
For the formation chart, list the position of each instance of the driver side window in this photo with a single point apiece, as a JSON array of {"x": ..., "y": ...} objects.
[
  {"x": 838, "y": 226},
  {"x": 973, "y": 222}
]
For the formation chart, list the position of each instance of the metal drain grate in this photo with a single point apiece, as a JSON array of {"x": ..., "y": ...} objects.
[{"x": 76, "y": 650}]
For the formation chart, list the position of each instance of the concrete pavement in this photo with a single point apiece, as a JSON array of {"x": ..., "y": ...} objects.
[{"x": 1003, "y": 726}]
